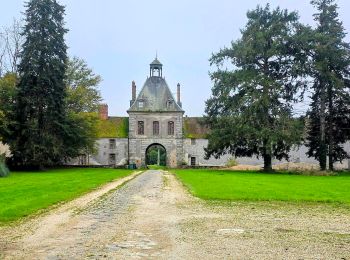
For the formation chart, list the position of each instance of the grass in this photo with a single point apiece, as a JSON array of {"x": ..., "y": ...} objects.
[
  {"x": 156, "y": 167},
  {"x": 255, "y": 186},
  {"x": 25, "y": 193}
]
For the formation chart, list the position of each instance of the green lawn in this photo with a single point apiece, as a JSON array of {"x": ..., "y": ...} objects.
[
  {"x": 24, "y": 193},
  {"x": 255, "y": 186}
]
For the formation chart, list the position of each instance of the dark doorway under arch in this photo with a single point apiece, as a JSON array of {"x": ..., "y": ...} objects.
[{"x": 156, "y": 155}]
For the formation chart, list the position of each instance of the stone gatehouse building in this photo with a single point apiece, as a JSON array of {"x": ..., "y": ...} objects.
[{"x": 157, "y": 118}]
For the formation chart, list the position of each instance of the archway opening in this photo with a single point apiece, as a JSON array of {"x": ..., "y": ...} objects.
[{"x": 156, "y": 155}]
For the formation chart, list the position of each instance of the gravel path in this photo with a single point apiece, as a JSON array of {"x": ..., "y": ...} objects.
[{"x": 153, "y": 217}]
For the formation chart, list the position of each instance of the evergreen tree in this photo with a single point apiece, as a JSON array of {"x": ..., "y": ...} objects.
[
  {"x": 40, "y": 108},
  {"x": 329, "y": 115},
  {"x": 250, "y": 111}
]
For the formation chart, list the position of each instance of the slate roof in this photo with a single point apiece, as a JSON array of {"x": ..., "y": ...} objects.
[
  {"x": 156, "y": 62},
  {"x": 155, "y": 96}
]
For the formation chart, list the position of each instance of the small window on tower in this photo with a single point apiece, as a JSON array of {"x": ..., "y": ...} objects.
[{"x": 140, "y": 128}]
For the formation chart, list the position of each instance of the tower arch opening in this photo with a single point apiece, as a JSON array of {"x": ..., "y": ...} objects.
[{"x": 156, "y": 154}]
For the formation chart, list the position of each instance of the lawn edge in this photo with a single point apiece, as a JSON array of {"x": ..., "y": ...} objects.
[{"x": 56, "y": 206}]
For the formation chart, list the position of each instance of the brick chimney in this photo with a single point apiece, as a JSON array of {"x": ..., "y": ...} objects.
[
  {"x": 103, "y": 111},
  {"x": 133, "y": 93},
  {"x": 179, "y": 95}
]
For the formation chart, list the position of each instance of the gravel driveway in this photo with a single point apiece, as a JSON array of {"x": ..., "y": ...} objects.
[{"x": 153, "y": 217}]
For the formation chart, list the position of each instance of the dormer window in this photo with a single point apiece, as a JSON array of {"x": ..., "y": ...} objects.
[
  {"x": 170, "y": 103},
  {"x": 141, "y": 104}
]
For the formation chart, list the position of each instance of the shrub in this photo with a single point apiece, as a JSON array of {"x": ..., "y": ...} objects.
[
  {"x": 4, "y": 153},
  {"x": 231, "y": 162},
  {"x": 4, "y": 171}
]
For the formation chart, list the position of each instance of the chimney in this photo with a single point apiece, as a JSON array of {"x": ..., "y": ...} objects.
[
  {"x": 103, "y": 111},
  {"x": 179, "y": 95},
  {"x": 133, "y": 93}
]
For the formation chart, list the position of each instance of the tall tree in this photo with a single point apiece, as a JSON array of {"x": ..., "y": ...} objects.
[
  {"x": 330, "y": 108},
  {"x": 82, "y": 83},
  {"x": 83, "y": 99},
  {"x": 40, "y": 105},
  {"x": 250, "y": 111}
]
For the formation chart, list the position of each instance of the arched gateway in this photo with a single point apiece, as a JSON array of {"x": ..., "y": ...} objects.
[
  {"x": 155, "y": 117},
  {"x": 156, "y": 155}
]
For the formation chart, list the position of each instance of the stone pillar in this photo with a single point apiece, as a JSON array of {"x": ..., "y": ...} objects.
[{"x": 103, "y": 111}]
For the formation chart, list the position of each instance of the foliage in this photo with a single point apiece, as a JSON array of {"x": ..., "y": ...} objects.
[
  {"x": 4, "y": 153},
  {"x": 81, "y": 134},
  {"x": 254, "y": 186},
  {"x": 231, "y": 162},
  {"x": 22, "y": 189},
  {"x": 152, "y": 155},
  {"x": 82, "y": 87},
  {"x": 7, "y": 97},
  {"x": 41, "y": 118},
  {"x": 329, "y": 114},
  {"x": 250, "y": 111}
]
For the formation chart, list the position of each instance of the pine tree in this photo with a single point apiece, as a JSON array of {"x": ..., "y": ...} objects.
[
  {"x": 250, "y": 111},
  {"x": 330, "y": 108},
  {"x": 40, "y": 107}
]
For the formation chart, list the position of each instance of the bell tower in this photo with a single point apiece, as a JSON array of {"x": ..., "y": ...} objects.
[{"x": 156, "y": 68}]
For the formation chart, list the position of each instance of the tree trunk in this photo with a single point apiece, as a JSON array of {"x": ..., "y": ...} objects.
[
  {"x": 330, "y": 130},
  {"x": 323, "y": 146},
  {"x": 267, "y": 163}
]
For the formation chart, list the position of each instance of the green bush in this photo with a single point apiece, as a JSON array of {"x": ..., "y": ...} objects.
[{"x": 4, "y": 171}]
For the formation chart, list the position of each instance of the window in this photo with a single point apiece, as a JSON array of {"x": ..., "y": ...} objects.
[
  {"x": 155, "y": 128},
  {"x": 193, "y": 161},
  {"x": 170, "y": 103},
  {"x": 140, "y": 127},
  {"x": 141, "y": 104},
  {"x": 112, "y": 144},
  {"x": 112, "y": 158},
  {"x": 193, "y": 141},
  {"x": 171, "y": 128}
]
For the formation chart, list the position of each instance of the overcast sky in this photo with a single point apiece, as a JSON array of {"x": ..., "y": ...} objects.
[{"x": 119, "y": 39}]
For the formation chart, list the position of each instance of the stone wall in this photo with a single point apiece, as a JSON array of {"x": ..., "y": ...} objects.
[
  {"x": 195, "y": 148},
  {"x": 106, "y": 148}
]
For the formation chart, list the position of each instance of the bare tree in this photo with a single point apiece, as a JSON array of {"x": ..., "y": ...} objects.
[
  {"x": 2, "y": 53},
  {"x": 11, "y": 41}
]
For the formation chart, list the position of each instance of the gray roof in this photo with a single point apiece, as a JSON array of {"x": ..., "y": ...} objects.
[
  {"x": 156, "y": 62},
  {"x": 155, "y": 96}
]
